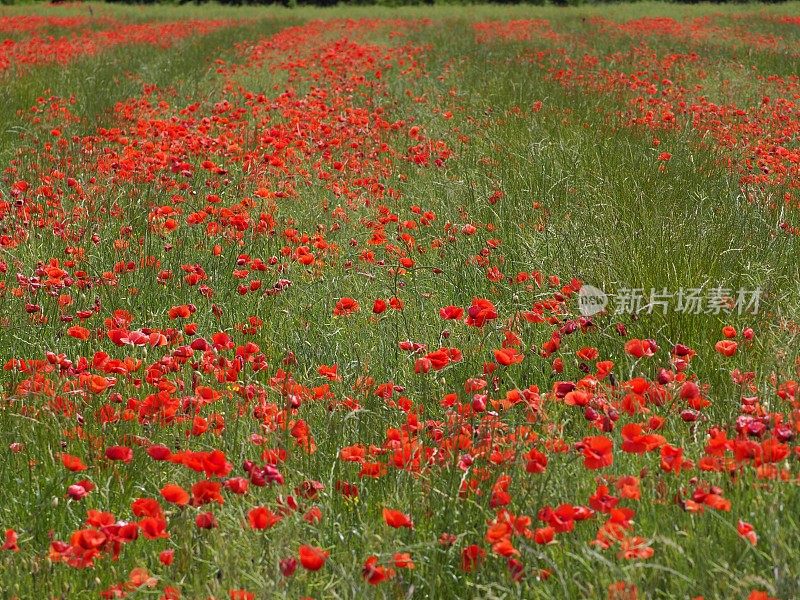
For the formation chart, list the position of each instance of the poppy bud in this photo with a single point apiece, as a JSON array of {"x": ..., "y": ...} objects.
[
  {"x": 77, "y": 492},
  {"x": 784, "y": 433},
  {"x": 288, "y": 566},
  {"x": 689, "y": 416},
  {"x": 665, "y": 377}
]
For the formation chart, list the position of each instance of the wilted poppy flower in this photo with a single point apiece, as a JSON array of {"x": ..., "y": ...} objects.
[
  {"x": 635, "y": 548},
  {"x": 622, "y": 590}
]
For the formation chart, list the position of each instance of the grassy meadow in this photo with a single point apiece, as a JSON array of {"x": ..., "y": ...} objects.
[{"x": 291, "y": 302}]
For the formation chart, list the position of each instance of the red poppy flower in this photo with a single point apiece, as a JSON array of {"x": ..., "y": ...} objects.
[
  {"x": 451, "y": 312},
  {"x": 345, "y": 306},
  {"x": 121, "y": 453},
  {"x": 379, "y": 306},
  {"x": 544, "y": 535},
  {"x": 288, "y": 566},
  {"x": 508, "y": 356},
  {"x": 262, "y": 518},
  {"x": 73, "y": 463},
  {"x": 396, "y": 519},
  {"x": 726, "y": 347},
  {"x": 374, "y": 573},
  {"x": 312, "y": 558},
  {"x": 747, "y": 531},
  {"x": 154, "y": 528},
  {"x": 206, "y": 520},
  {"x": 671, "y": 458},
  {"x": 480, "y": 312},
  {"x": 597, "y": 452},
  {"x": 175, "y": 494},
  {"x": 641, "y": 348},
  {"x": 536, "y": 462},
  {"x": 636, "y": 441},
  {"x": 146, "y": 507},
  {"x": 10, "y": 542},
  {"x": 471, "y": 556},
  {"x": 79, "y": 333},
  {"x": 206, "y": 491},
  {"x": 402, "y": 560},
  {"x": 158, "y": 452}
]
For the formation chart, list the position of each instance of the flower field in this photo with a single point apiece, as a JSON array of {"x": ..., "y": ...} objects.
[{"x": 414, "y": 303}]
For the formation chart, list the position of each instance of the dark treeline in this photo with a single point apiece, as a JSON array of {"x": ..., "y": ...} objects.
[
  {"x": 410, "y": 2},
  {"x": 291, "y": 3},
  {"x": 423, "y": 2}
]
